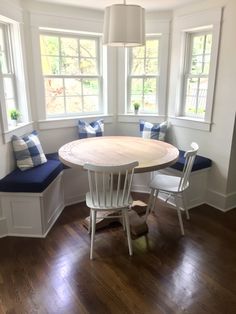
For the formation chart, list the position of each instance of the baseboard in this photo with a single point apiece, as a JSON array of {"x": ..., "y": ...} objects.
[
  {"x": 3, "y": 227},
  {"x": 223, "y": 202},
  {"x": 140, "y": 188},
  {"x": 74, "y": 200}
]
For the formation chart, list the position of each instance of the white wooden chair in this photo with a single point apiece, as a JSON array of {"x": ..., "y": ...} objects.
[
  {"x": 172, "y": 187},
  {"x": 109, "y": 190}
]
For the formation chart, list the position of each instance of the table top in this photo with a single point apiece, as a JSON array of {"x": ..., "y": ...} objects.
[{"x": 116, "y": 150}]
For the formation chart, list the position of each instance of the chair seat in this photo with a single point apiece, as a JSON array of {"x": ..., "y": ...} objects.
[
  {"x": 107, "y": 205},
  {"x": 166, "y": 183}
]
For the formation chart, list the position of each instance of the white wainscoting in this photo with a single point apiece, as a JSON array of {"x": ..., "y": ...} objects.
[{"x": 32, "y": 214}]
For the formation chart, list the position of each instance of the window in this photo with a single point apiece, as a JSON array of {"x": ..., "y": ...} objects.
[
  {"x": 7, "y": 73},
  {"x": 196, "y": 74},
  {"x": 193, "y": 69},
  {"x": 72, "y": 74},
  {"x": 143, "y": 77}
]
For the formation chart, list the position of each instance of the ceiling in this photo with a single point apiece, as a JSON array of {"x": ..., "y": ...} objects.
[{"x": 101, "y": 4}]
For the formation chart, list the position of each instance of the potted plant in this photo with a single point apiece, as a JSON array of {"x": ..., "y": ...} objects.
[
  {"x": 136, "y": 107},
  {"x": 14, "y": 114}
]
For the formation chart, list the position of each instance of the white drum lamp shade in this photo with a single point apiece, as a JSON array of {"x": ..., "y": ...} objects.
[{"x": 124, "y": 25}]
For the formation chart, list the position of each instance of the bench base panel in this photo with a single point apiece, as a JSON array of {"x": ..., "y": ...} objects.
[{"x": 32, "y": 214}]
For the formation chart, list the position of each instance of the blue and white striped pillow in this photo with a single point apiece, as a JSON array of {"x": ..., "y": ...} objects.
[
  {"x": 95, "y": 128},
  {"x": 28, "y": 151},
  {"x": 153, "y": 131}
]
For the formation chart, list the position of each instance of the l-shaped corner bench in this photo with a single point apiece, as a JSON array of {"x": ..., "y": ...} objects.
[{"x": 32, "y": 200}]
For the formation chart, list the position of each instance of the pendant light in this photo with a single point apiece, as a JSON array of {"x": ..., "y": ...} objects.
[{"x": 124, "y": 25}]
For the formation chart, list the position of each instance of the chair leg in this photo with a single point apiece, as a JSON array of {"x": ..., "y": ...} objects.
[
  {"x": 123, "y": 219},
  {"x": 128, "y": 231},
  {"x": 89, "y": 225},
  {"x": 151, "y": 202},
  {"x": 184, "y": 206},
  {"x": 94, "y": 216},
  {"x": 177, "y": 201}
]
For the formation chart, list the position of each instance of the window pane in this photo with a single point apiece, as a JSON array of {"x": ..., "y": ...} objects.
[
  {"x": 73, "y": 87},
  {"x": 150, "y": 86},
  {"x": 69, "y": 47},
  {"x": 73, "y": 104},
  {"x": 69, "y": 66},
  {"x": 3, "y": 60},
  {"x": 208, "y": 43},
  {"x": 151, "y": 66},
  {"x": 88, "y": 66},
  {"x": 137, "y": 67},
  {"x": 152, "y": 48},
  {"x": 49, "y": 45},
  {"x": 206, "y": 64},
  {"x": 191, "y": 96},
  {"x": 190, "y": 106},
  {"x": 87, "y": 48},
  {"x": 138, "y": 52},
  {"x": 54, "y": 87},
  {"x": 10, "y": 103},
  {"x": 198, "y": 45},
  {"x": 150, "y": 103},
  {"x": 90, "y": 87},
  {"x": 50, "y": 65},
  {"x": 91, "y": 103},
  {"x": 137, "y": 86},
  {"x": 192, "y": 86},
  {"x": 197, "y": 65},
  {"x": 202, "y": 97},
  {"x": 55, "y": 105},
  {"x": 8, "y": 88}
]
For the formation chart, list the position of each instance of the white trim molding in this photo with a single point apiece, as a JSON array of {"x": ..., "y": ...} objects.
[
  {"x": 19, "y": 130},
  {"x": 223, "y": 202},
  {"x": 71, "y": 122},
  {"x": 190, "y": 123}
]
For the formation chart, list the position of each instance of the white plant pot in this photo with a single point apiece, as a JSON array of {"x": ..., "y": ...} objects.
[
  {"x": 136, "y": 111},
  {"x": 13, "y": 123}
]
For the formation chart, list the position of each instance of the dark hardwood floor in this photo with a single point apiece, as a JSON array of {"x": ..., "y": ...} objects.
[{"x": 168, "y": 273}]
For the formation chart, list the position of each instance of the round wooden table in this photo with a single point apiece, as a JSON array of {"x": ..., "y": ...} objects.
[{"x": 116, "y": 150}]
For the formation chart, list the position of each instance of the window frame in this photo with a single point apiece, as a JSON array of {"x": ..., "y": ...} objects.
[
  {"x": 16, "y": 61},
  {"x": 143, "y": 77},
  {"x": 67, "y": 34},
  {"x": 187, "y": 69},
  {"x": 7, "y": 30},
  {"x": 182, "y": 25}
]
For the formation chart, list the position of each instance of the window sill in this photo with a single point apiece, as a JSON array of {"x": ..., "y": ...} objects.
[
  {"x": 134, "y": 118},
  {"x": 191, "y": 123},
  {"x": 19, "y": 130},
  {"x": 70, "y": 122}
]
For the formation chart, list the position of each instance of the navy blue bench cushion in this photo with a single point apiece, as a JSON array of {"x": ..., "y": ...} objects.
[
  {"x": 34, "y": 180},
  {"x": 54, "y": 156},
  {"x": 199, "y": 163}
]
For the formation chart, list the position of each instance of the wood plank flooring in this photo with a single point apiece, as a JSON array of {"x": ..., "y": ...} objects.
[{"x": 168, "y": 273}]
